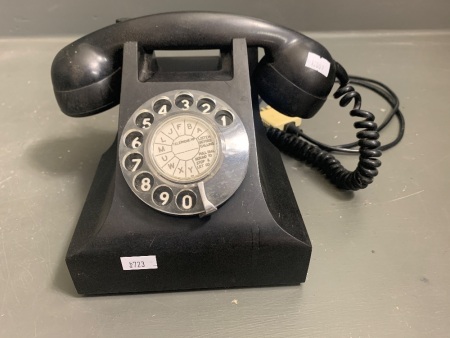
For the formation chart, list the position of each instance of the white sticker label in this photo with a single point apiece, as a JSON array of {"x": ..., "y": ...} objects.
[
  {"x": 318, "y": 63},
  {"x": 139, "y": 263},
  {"x": 185, "y": 148}
]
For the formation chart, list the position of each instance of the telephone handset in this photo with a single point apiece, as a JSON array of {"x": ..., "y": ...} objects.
[
  {"x": 196, "y": 140},
  {"x": 295, "y": 76}
]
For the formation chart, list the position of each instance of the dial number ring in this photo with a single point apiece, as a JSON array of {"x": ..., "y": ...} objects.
[{"x": 183, "y": 146}]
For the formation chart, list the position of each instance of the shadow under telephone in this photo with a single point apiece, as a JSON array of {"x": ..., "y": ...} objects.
[{"x": 191, "y": 143}]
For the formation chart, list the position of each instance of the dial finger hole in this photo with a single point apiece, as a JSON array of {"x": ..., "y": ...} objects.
[
  {"x": 206, "y": 105},
  {"x": 162, "y": 195},
  {"x": 144, "y": 120},
  {"x": 133, "y": 162},
  {"x": 134, "y": 139},
  {"x": 184, "y": 101},
  {"x": 144, "y": 182},
  {"x": 162, "y": 106},
  {"x": 186, "y": 200},
  {"x": 224, "y": 118}
]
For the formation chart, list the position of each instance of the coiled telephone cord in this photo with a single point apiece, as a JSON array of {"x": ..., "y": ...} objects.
[{"x": 317, "y": 155}]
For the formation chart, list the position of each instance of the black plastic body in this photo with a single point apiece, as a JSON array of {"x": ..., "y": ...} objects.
[
  {"x": 86, "y": 74},
  {"x": 257, "y": 238}
]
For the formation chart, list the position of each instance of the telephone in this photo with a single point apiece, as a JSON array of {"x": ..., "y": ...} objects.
[{"x": 191, "y": 143}]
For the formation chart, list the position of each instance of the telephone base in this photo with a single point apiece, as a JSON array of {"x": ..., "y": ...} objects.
[
  {"x": 256, "y": 238},
  {"x": 248, "y": 248}
]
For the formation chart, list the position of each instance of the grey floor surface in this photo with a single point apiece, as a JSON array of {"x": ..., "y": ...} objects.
[{"x": 381, "y": 259}]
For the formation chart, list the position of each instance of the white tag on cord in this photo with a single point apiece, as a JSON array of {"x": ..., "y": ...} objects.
[{"x": 318, "y": 63}]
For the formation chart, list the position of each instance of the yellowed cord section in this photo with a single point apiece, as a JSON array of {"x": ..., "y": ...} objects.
[{"x": 273, "y": 118}]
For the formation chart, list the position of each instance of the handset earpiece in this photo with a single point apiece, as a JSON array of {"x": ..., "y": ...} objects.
[
  {"x": 86, "y": 81},
  {"x": 297, "y": 79}
]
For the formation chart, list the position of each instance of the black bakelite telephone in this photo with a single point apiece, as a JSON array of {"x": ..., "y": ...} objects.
[{"x": 191, "y": 143}]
